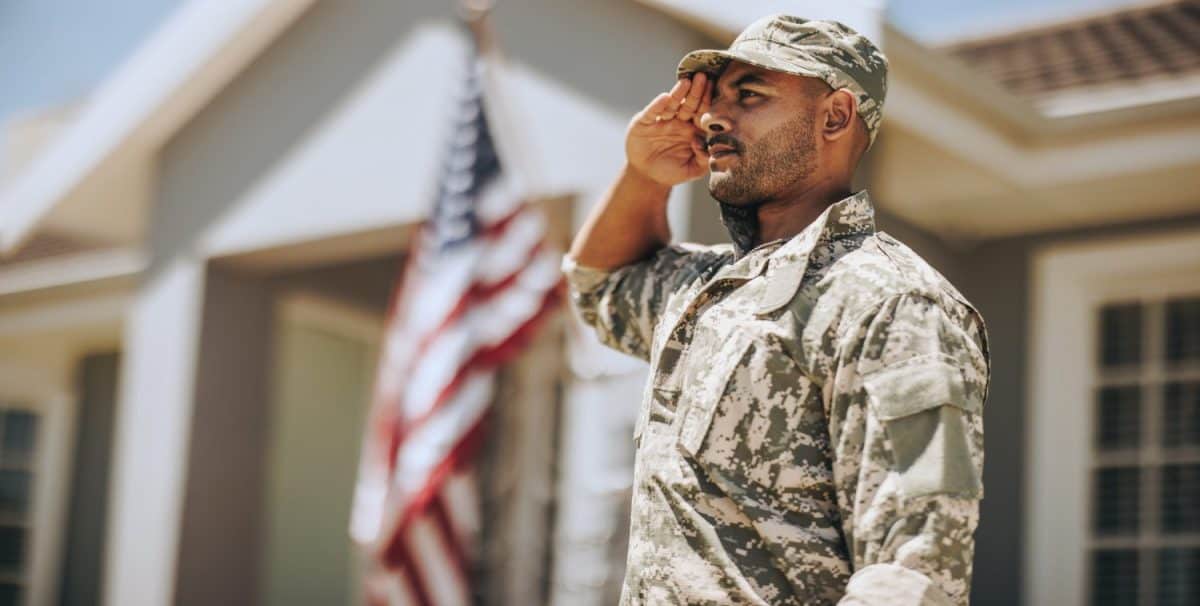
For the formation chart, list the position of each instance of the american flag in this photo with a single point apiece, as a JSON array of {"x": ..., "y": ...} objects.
[{"x": 477, "y": 281}]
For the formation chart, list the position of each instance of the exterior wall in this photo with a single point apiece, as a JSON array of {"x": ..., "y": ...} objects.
[{"x": 226, "y": 455}]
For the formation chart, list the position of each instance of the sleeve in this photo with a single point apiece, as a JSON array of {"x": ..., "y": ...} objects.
[
  {"x": 905, "y": 407},
  {"x": 623, "y": 305}
]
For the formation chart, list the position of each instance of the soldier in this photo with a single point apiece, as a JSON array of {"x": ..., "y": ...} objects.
[{"x": 811, "y": 432}]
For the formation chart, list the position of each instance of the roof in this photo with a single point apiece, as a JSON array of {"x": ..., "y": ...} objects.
[{"x": 1127, "y": 46}]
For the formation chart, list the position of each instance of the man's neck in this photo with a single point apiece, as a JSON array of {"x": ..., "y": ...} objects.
[
  {"x": 784, "y": 218},
  {"x": 781, "y": 218}
]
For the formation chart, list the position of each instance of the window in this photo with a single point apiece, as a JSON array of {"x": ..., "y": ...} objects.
[
  {"x": 18, "y": 453},
  {"x": 1144, "y": 546},
  {"x": 1111, "y": 422}
]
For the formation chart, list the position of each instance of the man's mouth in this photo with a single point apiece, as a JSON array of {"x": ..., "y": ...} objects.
[
  {"x": 721, "y": 146},
  {"x": 721, "y": 150}
]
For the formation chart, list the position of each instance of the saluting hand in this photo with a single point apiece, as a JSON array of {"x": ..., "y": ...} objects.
[{"x": 664, "y": 141}]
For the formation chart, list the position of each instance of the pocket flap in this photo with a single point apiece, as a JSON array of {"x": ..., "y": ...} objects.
[
  {"x": 702, "y": 405},
  {"x": 911, "y": 387}
]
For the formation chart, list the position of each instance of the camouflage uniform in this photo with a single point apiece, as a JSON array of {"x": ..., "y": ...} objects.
[{"x": 811, "y": 432}]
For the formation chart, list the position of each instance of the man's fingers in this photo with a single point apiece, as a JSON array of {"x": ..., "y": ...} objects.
[
  {"x": 691, "y": 102},
  {"x": 678, "y": 94},
  {"x": 680, "y": 90},
  {"x": 656, "y": 108},
  {"x": 705, "y": 103}
]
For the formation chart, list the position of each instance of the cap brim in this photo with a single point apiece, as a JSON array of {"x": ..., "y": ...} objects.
[{"x": 713, "y": 62}]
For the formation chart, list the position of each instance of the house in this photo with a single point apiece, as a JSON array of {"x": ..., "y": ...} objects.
[{"x": 199, "y": 254}]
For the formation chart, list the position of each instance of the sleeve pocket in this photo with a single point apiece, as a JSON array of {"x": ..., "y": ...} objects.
[{"x": 927, "y": 412}]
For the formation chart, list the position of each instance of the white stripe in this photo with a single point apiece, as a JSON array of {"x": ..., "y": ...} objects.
[
  {"x": 505, "y": 254},
  {"x": 436, "y": 567},
  {"x": 370, "y": 494},
  {"x": 463, "y": 507},
  {"x": 498, "y": 199},
  {"x": 484, "y": 325},
  {"x": 399, "y": 592},
  {"x": 431, "y": 442}
]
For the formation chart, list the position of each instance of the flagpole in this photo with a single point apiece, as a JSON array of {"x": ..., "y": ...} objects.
[{"x": 514, "y": 149}]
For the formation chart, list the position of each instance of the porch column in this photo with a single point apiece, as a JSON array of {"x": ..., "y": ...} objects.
[{"x": 151, "y": 438}]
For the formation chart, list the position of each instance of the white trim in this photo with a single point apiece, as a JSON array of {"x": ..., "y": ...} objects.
[
  {"x": 1069, "y": 283},
  {"x": 52, "y": 489},
  {"x": 174, "y": 74},
  {"x": 73, "y": 269}
]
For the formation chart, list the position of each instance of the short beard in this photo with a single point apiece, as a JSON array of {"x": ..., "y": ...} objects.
[
  {"x": 785, "y": 156},
  {"x": 742, "y": 224}
]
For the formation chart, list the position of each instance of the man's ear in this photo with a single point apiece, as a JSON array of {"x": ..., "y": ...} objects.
[{"x": 840, "y": 111}]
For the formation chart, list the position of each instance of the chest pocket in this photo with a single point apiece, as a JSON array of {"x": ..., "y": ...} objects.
[
  {"x": 705, "y": 396},
  {"x": 748, "y": 426}
]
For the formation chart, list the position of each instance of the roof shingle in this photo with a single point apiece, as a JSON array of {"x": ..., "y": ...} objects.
[{"x": 1122, "y": 47}]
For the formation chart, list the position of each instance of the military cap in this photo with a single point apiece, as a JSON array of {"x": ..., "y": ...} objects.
[{"x": 815, "y": 48}]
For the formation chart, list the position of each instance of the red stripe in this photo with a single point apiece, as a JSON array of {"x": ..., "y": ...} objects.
[
  {"x": 450, "y": 537},
  {"x": 401, "y": 560},
  {"x": 500, "y": 225}
]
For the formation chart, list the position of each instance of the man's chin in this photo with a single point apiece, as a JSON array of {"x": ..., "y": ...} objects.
[{"x": 724, "y": 191}]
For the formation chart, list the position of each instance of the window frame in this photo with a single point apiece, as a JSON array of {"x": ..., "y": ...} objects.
[{"x": 1063, "y": 371}]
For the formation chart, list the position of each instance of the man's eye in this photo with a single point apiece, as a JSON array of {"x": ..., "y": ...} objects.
[{"x": 743, "y": 94}]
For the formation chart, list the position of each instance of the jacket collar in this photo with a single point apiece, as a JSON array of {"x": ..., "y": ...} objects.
[{"x": 851, "y": 216}]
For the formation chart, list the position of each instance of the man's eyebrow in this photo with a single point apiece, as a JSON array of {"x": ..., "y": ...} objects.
[{"x": 750, "y": 79}]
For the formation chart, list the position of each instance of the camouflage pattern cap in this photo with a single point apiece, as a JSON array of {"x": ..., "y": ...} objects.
[{"x": 828, "y": 50}]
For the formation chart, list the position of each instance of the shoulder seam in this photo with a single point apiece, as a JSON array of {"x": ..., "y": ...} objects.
[{"x": 878, "y": 303}]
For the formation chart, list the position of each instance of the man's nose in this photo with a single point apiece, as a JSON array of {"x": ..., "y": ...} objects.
[{"x": 713, "y": 122}]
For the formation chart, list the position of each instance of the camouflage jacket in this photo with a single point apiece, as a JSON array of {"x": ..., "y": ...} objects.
[{"x": 811, "y": 432}]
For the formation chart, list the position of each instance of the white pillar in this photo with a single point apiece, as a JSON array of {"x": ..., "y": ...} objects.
[{"x": 154, "y": 419}]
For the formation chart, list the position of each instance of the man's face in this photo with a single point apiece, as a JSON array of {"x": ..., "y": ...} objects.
[{"x": 760, "y": 131}]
